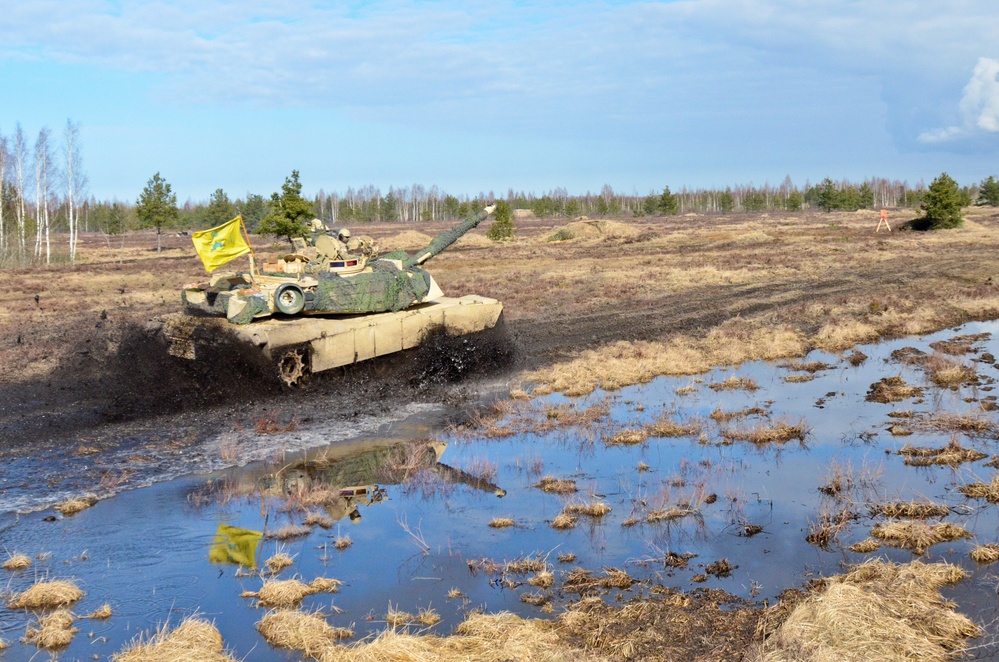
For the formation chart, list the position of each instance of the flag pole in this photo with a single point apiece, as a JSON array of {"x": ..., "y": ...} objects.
[{"x": 246, "y": 235}]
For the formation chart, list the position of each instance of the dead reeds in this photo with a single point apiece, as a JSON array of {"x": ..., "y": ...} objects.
[
  {"x": 877, "y": 611},
  {"x": 735, "y": 383},
  {"x": 289, "y": 531},
  {"x": 17, "y": 562},
  {"x": 910, "y": 509},
  {"x": 563, "y": 521},
  {"x": 953, "y": 454},
  {"x": 52, "y": 631},
  {"x": 307, "y": 632},
  {"x": 985, "y": 554},
  {"x": 917, "y": 536},
  {"x": 193, "y": 640},
  {"x": 556, "y": 485},
  {"x": 102, "y": 613},
  {"x": 47, "y": 595},
  {"x": 593, "y": 508},
  {"x": 501, "y": 522},
  {"x": 988, "y": 491},
  {"x": 777, "y": 432},
  {"x": 278, "y": 562},
  {"x": 75, "y": 505},
  {"x": 892, "y": 389},
  {"x": 289, "y": 593}
]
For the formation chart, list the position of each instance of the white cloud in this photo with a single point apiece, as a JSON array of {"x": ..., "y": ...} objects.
[{"x": 979, "y": 106}]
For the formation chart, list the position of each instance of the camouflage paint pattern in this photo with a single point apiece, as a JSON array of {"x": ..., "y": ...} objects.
[{"x": 384, "y": 289}]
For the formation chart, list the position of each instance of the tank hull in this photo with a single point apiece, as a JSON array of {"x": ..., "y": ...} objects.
[{"x": 302, "y": 345}]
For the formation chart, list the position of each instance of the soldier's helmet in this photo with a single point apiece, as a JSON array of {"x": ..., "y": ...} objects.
[
  {"x": 317, "y": 225},
  {"x": 344, "y": 235}
]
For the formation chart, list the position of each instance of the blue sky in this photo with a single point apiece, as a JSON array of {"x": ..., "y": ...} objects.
[{"x": 487, "y": 96}]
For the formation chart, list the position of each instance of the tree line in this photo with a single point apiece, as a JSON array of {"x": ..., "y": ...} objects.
[{"x": 43, "y": 193}]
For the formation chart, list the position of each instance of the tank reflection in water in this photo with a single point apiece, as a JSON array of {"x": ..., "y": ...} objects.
[{"x": 750, "y": 479}]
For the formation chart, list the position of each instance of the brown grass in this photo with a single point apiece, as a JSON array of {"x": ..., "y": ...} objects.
[
  {"x": 279, "y": 562},
  {"x": 917, "y": 536},
  {"x": 734, "y": 383},
  {"x": 720, "y": 416},
  {"x": 877, "y": 611},
  {"x": 985, "y": 554},
  {"x": 341, "y": 543},
  {"x": 47, "y": 595},
  {"x": 480, "y": 638},
  {"x": 17, "y": 562},
  {"x": 557, "y": 485},
  {"x": 318, "y": 519},
  {"x": 289, "y": 531},
  {"x": 563, "y": 521},
  {"x": 193, "y": 640},
  {"x": 52, "y": 631},
  {"x": 865, "y": 546},
  {"x": 946, "y": 372},
  {"x": 501, "y": 522},
  {"x": 910, "y": 509},
  {"x": 628, "y": 438},
  {"x": 307, "y": 632},
  {"x": 73, "y": 506},
  {"x": 892, "y": 389},
  {"x": 289, "y": 593},
  {"x": 989, "y": 491},
  {"x": 777, "y": 432},
  {"x": 595, "y": 509},
  {"x": 428, "y": 617},
  {"x": 102, "y": 613},
  {"x": 397, "y": 617},
  {"x": 953, "y": 454}
]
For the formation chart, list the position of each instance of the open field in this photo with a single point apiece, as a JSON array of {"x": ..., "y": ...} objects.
[{"x": 620, "y": 303}]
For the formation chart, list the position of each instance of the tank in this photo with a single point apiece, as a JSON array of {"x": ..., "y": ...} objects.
[
  {"x": 324, "y": 307},
  {"x": 333, "y": 280}
]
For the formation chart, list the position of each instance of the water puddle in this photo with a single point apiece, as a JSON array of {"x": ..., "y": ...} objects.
[{"x": 750, "y": 479}]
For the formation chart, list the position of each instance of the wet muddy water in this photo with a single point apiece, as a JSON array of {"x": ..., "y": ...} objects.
[{"x": 148, "y": 552}]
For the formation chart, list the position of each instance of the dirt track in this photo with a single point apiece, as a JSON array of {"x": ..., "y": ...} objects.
[{"x": 560, "y": 298}]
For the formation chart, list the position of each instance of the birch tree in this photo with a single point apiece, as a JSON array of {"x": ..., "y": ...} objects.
[
  {"x": 3, "y": 191},
  {"x": 43, "y": 170},
  {"x": 20, "y": 156},
  {"x": 76, "y": 181}
]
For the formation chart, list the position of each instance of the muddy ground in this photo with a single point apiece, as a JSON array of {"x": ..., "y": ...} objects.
[{"x": 78, "y": 360}]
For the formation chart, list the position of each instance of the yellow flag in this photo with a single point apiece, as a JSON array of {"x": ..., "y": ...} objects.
[{"x": 219, "y": 245}]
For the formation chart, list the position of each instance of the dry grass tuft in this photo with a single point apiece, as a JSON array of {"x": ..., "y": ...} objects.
[
  {"x": 628, "y": 438},
  {"x": 953, "y": 454},
  {"x": 17, "y": 562},
  {"x": 543, "y": 579},
  {"x": 194, "y": 640},
  {"x": 53, "y": 631},
  {"x": 910, "y": 509},
  {"x": 428, "y": 617},
  {"x": 798, "y": 379},
  {"x": 877, "y": 611},
  {"x": 892, "y": 389},
  {"x": 563, "y": 521},
  {"x": 289, "y": 593},
  {"x": 396, "y": 617},
  {"x": 945, "y": 372},
  {"x": 865, "y": 546},
  {"x": 568, "y": 557},
  {"x": 669, "y": 428},
  {"x": 501, "y": 522},
  {"x": 917, "y": 536},
  {"x": 595, "y": 509},
  {"x": 102, "y": 613},
  {"x": 289, "y": 531},
  {"x": 720, "y": 416},
  {"x": 318, "y": 519},
  {"x": 989, "y": 491},
  {"x": 778, "y": 432},
  {"x": 342, "y": 542},
  {"x": 985, "y": 554},
  {"x": 734, "y": 383},
  {"x": 278, "y": 562},
  {"x": 47, "y": 595},
  {"x": 525, "y": 565},
  {"x": 480, "y": 638},
  {"x": 73, "y": 506},
  {"x": 300, "y": 631},
  {"x": 556, "y": 485}
]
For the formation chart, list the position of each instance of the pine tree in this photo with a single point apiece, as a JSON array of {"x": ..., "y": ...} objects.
[
  {"x": 289, "y": 211},
  {"x": 829, "y": 197},
  {"x": 988, "y": 192},
  {"x": 502, "y": 227},
  {"x": 157, "y": 206},
  {"x": 219, "y": 210},
  {"x": 942, "y": 204},
  {"x": 668, "y": 204}
]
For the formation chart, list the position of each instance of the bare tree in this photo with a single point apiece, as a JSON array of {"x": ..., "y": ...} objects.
[
  {"x": 20, "y": 155},
  {"x": 43, "y": 170},
  {"x": 76, "y": 181},
  {"x": 3, "y": 190}
]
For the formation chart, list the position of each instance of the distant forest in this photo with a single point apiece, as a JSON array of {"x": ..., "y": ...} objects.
[{"x": 43, "y": 191}]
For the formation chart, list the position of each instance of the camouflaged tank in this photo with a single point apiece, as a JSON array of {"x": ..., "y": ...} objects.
[{"x": 329, "y": 283}]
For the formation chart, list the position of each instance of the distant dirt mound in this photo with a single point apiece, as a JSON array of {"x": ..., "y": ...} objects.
[
  {"x": 410, "y": 240},
  {"x": 594, "y": 229}
]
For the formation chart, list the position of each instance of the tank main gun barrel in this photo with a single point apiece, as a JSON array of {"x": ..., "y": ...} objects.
[{"x": 448, "y": 237}]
